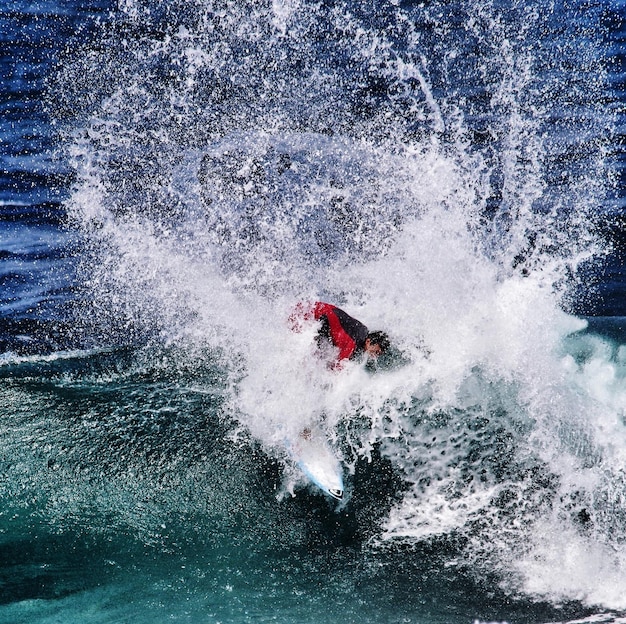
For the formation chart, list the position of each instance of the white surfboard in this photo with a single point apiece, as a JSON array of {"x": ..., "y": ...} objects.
[{"x": 314, "y": 456}]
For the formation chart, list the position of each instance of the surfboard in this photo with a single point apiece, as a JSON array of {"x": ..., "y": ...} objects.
[{"x": 315, "y": 458}]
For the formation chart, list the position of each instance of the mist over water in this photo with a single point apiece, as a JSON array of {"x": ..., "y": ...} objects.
[{"x": 440, "y": 171}]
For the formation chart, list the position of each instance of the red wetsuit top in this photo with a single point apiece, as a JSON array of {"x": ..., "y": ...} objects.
[{"x": 338, "y": 328}]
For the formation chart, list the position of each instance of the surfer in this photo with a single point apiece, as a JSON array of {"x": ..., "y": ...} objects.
[
  {"x": 340, "y": 337},
  {"x": 348, "y": 338}
]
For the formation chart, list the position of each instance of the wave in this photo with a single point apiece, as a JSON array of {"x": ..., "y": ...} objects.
[{"x": 438, "y": 172}]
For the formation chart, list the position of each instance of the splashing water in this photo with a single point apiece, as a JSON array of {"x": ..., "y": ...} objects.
[{"x": 437, "y": 170}]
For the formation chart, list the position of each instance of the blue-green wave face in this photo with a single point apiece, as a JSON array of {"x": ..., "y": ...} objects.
[{"x": 441, "y": 171}]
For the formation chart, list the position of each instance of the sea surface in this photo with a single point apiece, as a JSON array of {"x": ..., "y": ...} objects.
[{"x": 177, "y": 175}]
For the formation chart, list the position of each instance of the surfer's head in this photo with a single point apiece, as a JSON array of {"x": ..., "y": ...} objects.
[{"x": 376, "y": 343}]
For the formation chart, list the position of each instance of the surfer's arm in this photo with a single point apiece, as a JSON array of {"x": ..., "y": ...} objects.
[{"x": 340, "y": 338}]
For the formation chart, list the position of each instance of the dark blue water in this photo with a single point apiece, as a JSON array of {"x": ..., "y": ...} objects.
[{"x": 177, "y": 175}]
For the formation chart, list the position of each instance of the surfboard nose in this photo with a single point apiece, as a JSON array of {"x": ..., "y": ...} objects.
[{"x": 338, "y": 494}]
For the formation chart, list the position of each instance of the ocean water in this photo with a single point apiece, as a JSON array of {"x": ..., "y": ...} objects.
[{"x": 177, "y": 175}]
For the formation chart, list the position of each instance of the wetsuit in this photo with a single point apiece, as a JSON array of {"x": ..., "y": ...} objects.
[{"x": 340, "y": 329}]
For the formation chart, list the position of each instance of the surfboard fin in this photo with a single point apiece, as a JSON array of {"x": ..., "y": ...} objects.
[{"x": 338, "y": 494}]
